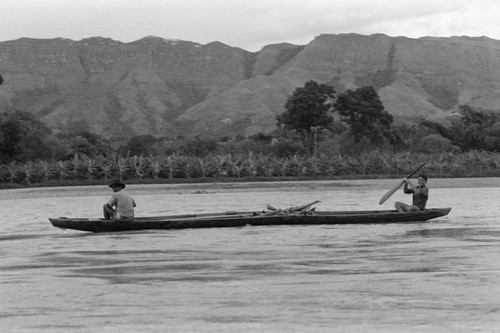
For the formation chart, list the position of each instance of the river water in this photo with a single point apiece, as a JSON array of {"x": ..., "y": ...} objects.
[{"x": 438, "y": 276}]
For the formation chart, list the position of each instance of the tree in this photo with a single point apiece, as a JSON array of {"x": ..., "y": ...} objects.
[
  {"x": 199, "y": 146},
  {"x": 139, "y": 145},
  {"x": 435, "y": 143},
  {"x": 404, "y": 136},
  {"x": 365, "y": 115},
  {"x": 476, "y": 124},
  {"x": 89, "y": 144},
  {"x": 308, "y": 111},
  {"x": 22, "y": 137},
  {"x": 476, "y": 129},
  {"x": 493, "y": 137},
  {"x": 1, "y": 79}
]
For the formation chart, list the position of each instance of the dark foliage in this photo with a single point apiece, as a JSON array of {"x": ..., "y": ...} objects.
[
  {"x": 308, "y": 111},
  {"x": 365, "y": 115},
  {"x": 22, "y": 137},
  {"x": 474, "y": 129},
  {"x": 139, "y": 145},
  {"x": 199, "y": 146}
]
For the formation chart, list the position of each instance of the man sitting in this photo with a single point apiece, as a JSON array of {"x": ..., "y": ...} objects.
[
  {"x": 420, "y": 195},
  {"x": 123, "y": 203}
]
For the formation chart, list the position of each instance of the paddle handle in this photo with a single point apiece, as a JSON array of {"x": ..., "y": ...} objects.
[
  {"x": 414, "y": 172},
  {"x": 395, "y": 188}
]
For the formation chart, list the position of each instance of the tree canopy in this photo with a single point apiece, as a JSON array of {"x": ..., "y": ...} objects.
[
  {"x": 478, "y": 129},
  {"x": 364, "y": 113},
  {"x": 22, "y": 137},
  {"x": 308, "y": 110}
]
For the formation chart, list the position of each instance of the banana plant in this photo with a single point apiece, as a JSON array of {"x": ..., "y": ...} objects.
[
  {"x": 201, "y": 162},
  {"x": 63, "y": 169},
  {"x": 13, "y": 170},
  {"x": 250, "y": 164},
  {"x": 219, "y": 161},
  {"x": 90, "y": 167},
  {"x": 154, "y": 165},
  {"x": 139, "y": 166},
  {"x": 29, "y": 171},
  {"x": 120, "y": 165},
  {"x": 104, "y": 167},
  {"x": 46, "y": 169}
]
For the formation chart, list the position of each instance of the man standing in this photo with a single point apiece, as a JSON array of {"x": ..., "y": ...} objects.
[{"x": 123, "y": 203}]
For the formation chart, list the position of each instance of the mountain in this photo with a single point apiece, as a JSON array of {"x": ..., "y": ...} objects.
[{"x": 172, "y": 87}]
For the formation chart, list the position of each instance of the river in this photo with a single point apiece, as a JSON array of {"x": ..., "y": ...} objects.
[{"x": 439, "y": 276}]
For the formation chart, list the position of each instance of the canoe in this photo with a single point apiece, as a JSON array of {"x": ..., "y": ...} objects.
[{"x": 241, "y": 219}]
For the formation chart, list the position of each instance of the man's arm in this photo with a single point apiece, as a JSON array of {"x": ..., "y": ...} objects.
[
  {"x": 409, "y": 183},
  {"x": 112, "y": 202}
]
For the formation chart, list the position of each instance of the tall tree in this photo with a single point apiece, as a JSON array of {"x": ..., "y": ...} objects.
[
  {"x": 22, "y": 137},
  {"x": 87, "y": 143},
  {"x": 478, "y": 128},
  {"x": 139, "y": 145},
  {"x": 308, "y": 111},
  {"x": 365, "y": 115}
]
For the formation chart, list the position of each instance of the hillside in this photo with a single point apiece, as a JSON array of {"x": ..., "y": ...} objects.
[{"x": 171, "y": 87}]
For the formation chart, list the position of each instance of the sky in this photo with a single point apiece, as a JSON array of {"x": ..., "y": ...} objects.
[{"x": 248, "y": 24}]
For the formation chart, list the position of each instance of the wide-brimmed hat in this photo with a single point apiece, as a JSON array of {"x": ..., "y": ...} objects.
[{"x": 116, "y": 182}]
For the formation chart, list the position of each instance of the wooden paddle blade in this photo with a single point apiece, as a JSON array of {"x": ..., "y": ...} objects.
[{"x": 391, "y": 192}]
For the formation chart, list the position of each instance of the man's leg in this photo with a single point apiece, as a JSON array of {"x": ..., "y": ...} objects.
[
  {"x": 401, "y": 207},
  {"x": 108, "y": 212}
]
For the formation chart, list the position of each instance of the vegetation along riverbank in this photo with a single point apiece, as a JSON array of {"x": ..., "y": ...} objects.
[
  {"x": 85, "y": 170},
  {"x": 320, "y": 135}
]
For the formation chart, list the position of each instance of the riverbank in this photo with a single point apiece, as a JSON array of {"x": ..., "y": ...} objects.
[
  {"x": 263, "y": 186},
  {"x": 258, "y": 181}
]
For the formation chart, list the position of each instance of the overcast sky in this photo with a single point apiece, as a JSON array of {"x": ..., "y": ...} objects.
[{"x": 249, "y": 24}]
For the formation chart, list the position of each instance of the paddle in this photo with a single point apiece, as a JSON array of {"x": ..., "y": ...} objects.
[{"x": 398, "y": 185}]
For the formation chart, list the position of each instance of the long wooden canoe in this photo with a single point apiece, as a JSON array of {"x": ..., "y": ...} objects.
[{"x": 240, "y": 219}]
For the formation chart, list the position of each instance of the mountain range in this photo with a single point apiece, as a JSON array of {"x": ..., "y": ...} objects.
[{"x": 168, "y": 87}]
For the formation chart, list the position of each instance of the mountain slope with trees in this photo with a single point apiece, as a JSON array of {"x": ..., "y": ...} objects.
[
  {"x": 321, "y": 134},
  {"x": 167, "y": 88}
]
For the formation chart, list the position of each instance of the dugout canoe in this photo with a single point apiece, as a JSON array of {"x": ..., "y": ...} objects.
[{"x": 241, "y": 219}]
